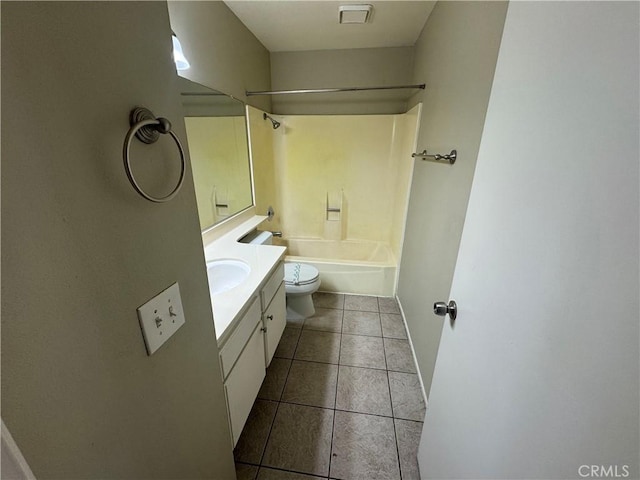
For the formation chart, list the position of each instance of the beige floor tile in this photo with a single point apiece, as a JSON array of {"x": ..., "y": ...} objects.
[
  {"x": 364, "y": 448},
  {"x": 361, "y": 302},
  {"x": 328, "y": 300},
  {"x": 363, "y": 390},
  {"x": 311, "y": 383},
  {"x": 317, "y": 346},
  {"x": 288, "y": 343},
  {"x": 406, "y": 396},
  {"x": 273, "y": 384},
  {"x": 399, "y": 355},
  {"x": 300, "y": 439},
  {"x": 361, "y": 323},
  {"x": 408, "y": 435},
  {"x": 325, "y": 319},
  {"x": 272, "y": 474},
  {"x": 361, "y": 351},
  {"x": 254, "y": 435},
  {"x": 246, "y": 472},
  {"x": 393, "y": 326},
  {"x": 388, "y": 305}
]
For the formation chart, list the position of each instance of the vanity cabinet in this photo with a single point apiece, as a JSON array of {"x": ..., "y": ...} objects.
[
  {"x": 250, "y": 348},
  {"x": 274, "y": 311},
  {"x": 242, "y": 362}
]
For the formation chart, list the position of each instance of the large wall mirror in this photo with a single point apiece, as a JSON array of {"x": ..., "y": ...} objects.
[{"x": 217, "y": 137}]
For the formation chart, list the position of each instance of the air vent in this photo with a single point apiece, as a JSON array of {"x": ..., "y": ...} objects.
[{"x": 355, "y": 13}]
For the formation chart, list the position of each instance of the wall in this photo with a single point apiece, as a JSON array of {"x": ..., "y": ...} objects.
[
  {"x": 355, "y": 160},
  {"x": 363, "y": 67},
  {"x": 404, "y": 143},
  {"x": 539, "y": 378},
  {"x": 456, "y": 56},
  {"x": 221, "y": 170},
  {"x": 81, "y": 250},
  {"x": 223, "y": 53},
  {"x": 263, "y": 162}
]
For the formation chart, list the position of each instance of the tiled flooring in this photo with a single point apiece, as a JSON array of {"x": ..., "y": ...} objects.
[{"x": 341, "y": 399}]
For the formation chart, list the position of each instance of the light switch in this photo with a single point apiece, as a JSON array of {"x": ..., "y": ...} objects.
[{"x": 161, "y": 317}]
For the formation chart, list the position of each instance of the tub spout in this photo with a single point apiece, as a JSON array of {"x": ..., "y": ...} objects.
[{"x": 277, "y": 234}]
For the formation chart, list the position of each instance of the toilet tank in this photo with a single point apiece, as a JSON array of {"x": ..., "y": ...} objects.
[{"x": 258, "y": 237}]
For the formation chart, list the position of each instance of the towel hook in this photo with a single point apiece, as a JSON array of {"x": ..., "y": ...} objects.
[{"x": 147, "y": 128}]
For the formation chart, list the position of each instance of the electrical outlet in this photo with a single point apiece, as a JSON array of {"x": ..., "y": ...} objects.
[{"x": 161, "y": 317}]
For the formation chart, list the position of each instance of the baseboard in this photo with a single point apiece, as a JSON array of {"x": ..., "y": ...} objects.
[{"x": 413, "y": 352}]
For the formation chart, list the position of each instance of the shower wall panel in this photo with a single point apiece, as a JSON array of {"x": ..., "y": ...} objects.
[{"x": 362, "y": 156}]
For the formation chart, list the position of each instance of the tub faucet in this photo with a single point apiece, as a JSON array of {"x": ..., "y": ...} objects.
[{"x": 277, "y": 234}]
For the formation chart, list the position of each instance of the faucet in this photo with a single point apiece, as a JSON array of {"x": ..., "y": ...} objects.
[{"x": 277, "y": 234}]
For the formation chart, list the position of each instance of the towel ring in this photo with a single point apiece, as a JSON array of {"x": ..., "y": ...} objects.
[{"x": 147, "y": 128}]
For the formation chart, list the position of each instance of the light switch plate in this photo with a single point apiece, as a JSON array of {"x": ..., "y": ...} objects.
[{"x": 161, "y": 317}]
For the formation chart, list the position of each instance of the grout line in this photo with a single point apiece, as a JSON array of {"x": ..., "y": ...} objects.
[
  {"x": 335, "y": 400},
  {"x": 264, "y": 450},
  {"x": 266, "y": 442},
  {"x": 299, "y": 472},
  {"x": 395, "y": 432},
  {"x": 286, "y": 379},
  {"x": 312, "y": 329},
  {"x": 349, "y": 411},
  {"x": 334, "y": 409}
]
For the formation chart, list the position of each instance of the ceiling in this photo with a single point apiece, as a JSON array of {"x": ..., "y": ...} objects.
[{"x": 296, "y": 25}]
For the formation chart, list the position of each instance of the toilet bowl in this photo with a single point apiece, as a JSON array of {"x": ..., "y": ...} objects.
[{"x": 301, "y": 281}]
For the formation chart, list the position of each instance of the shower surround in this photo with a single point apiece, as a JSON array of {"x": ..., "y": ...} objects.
[{"x": 340, "y": 186}]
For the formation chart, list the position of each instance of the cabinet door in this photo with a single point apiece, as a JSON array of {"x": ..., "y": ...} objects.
[
  {"x": 275, "y": 319},
  {"x": 271, "y": 287},
  {"x": 244, "y": 381},
  {"x": 236, "y": 342}
]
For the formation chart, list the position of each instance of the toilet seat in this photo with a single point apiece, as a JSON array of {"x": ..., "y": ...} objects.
[{"x": 296, "y": 274}]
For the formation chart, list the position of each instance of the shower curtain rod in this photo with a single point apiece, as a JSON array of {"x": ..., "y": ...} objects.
[{"x": 332, "y": 90}]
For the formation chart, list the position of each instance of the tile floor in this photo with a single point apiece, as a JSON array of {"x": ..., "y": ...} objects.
[{"x": 341, "y": 399}]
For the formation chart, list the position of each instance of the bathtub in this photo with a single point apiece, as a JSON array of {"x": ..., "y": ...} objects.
[{"x": 346, "y": 266}]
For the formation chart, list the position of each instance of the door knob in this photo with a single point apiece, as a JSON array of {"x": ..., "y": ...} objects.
[{"x": 441, "y": 309}]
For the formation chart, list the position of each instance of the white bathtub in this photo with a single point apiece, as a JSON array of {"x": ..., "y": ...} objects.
[{"x": 346, "y": 266}]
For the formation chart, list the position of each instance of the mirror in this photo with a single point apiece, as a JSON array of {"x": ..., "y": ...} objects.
[{"x": 217, "y": 138}]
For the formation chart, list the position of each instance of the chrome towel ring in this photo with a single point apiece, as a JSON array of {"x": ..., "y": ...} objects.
[{"x": 147, "y": 128}]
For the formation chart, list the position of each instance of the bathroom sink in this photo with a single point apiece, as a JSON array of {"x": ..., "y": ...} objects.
[{"x": 226, "y": 274}]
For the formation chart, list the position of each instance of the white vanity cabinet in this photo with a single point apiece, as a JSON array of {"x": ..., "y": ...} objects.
[
  {"x": 242, "y": 363},
  {"x": 274, "y": 311},
  {"x": 250, "y": 347},
  {"x": 249, "y": 318}
]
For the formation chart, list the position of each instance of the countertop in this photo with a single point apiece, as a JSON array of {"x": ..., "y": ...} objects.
[{"x": 229, "y": 306}]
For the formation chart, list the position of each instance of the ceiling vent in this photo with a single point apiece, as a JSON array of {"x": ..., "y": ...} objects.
[{"x": 355, "y": 13}]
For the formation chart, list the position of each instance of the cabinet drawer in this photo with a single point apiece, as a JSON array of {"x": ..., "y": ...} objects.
[
  {"x": 271, "y": 287},
  {"x": 238, "y": 339},
  {"x": 243, "y": 383},
  {"x": 275, "y": 319}
]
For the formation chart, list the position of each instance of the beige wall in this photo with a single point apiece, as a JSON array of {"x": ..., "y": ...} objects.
[
  {"x": 264, "y": 173},
  {"x": 363, "y": 67},
  {"x": 223, "y": 53},
  {"x": 81, "y": 250},
  {"x": 456, "y": 56},
  {"x": 405, "y": 137}
]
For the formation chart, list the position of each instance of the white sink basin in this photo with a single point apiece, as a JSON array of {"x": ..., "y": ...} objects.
[{"x": 226, "y": 274}]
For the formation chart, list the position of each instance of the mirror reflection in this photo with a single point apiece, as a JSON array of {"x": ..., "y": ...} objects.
[{"x": 217, "y": 137}]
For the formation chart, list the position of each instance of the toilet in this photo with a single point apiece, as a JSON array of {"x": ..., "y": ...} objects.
[{"x": 301, "y": 281}]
